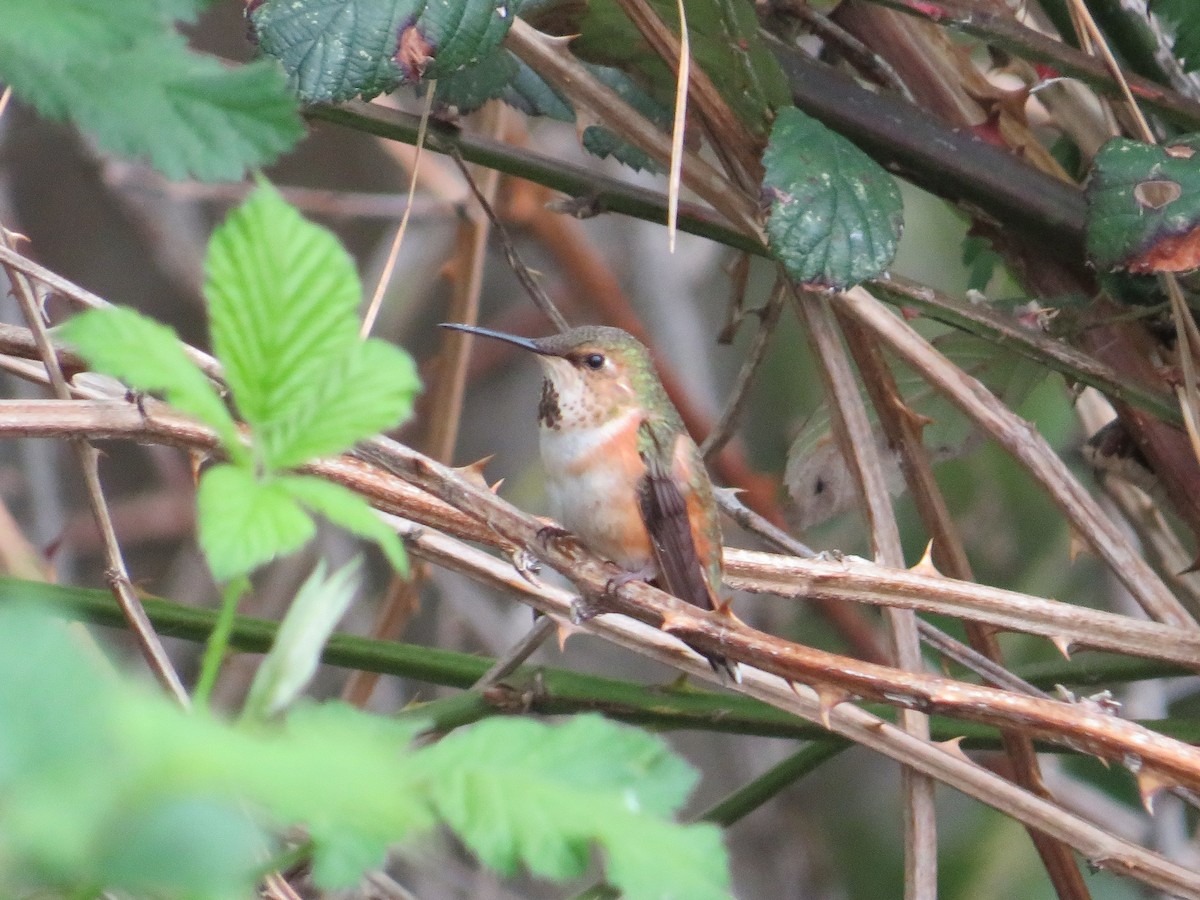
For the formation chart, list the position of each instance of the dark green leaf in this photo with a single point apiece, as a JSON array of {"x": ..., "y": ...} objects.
[
  {"x": 1144, "y": 206},
  {"x": 344, "y": 508},
  {"x": 836, "y": 216},
  {"x": 603, "y": 143},
  {"x": 469, "y": 88},
  {"x": 244, "y": 523},
  {"x": 149, "y": 357},
  {"x": 725, "y": 43},
  {"x": 529, "y": 93},
  {"x": 1184, "y": 16},
  {"x": 461, "y": 32},
  {"x": 334, "y": 50}
]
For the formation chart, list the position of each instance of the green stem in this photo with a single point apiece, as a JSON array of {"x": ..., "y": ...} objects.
[
  {"x": 751, "y": 796},
  {"x": 218, "y": 640},
  {"x": 554, "y": 692}
]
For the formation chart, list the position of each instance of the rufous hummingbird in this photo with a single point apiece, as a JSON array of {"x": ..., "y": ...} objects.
[{"x": 622, "y": 472}]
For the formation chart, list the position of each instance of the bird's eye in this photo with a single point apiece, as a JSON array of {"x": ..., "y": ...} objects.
[{"x": 594, "y": 361}]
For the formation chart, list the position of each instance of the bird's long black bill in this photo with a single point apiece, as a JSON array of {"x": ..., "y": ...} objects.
[{"x": 524, "y": 343}]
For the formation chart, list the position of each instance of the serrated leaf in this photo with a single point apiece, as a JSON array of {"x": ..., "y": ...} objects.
[
  {"x": 348, "y": 510},
  {"x": 462, "y": 32},
  {"x": 468, "y": 89},
  {"x": 334, "y": 50},
  {"x": 244, "y": 523},
  {"x": 369, "y": 387},
  {"x": 601, "y": 142},
  {"x": 151, "y": 97},
  {"x": 836, "y": 215},
  {"x": 1144, "y": 206},
  {"x": 282, "y": 296},
  {"x": 1184, "y": 16},
  {"x": 725, "y": 43},
  {"x": 149, "y": 357},
  {"x": 72, "y": 28},
  {"x": 529, "y": 92},
  {"x": 519, "y": 793},
  {"x": 292, "y": 661}
]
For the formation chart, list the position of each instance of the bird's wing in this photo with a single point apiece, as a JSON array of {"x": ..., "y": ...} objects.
[{"x": 665, "y": 512}]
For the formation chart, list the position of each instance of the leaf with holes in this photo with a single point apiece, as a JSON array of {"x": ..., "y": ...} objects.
[
  {"x": 333, "y": 50},
  {"x": 836, "y": 216},
  {"x": 1144, "y": 206}
]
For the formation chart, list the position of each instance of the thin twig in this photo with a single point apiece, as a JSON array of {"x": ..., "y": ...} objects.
[
  {"x": 1029, "y": 448},
  {"x": 88, "y": 458},
  {"x": 725, "y": 425},
  {"x": 539, "y": 297},
  {"x": 516, "y": 655},
  {"x": 903, "y": 430}
]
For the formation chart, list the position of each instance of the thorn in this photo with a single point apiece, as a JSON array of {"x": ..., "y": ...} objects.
[
  {"x": 13, "y": 236},
  {"x": 563, "y": 630},
  {"x": 1150, "y": 783},
  {"x": 1194, "y": 567},
  {"x": 196, "y": 460},
  {"x": 1063, "y": 644},
  {"x": 675, "y": 621},
  {"x": 495, "y": 488},
  {"x": 473, "y": 472},
  {"x": 728, "y": 493},
  {"x": 925, "y": 566},
  {"x": 954, "y": 747},
  {"x": 828, "y": 697},
  {"x": 725, "y": 610}
]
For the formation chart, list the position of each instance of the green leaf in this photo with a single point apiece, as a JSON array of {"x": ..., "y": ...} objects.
[
  {"x": 460, "y": 33},
  {"x": 1184, "y": 15},
  {"x": 603, "y": 143},
  {"x": 194, "y": 847},
  {"x": 1144, "y": 206},
  {"x": 725, "y": 43},
  {"x": 467, "y": 89},
  {"x": 72, "y": 28},
  {"x": 148, "y": 356},
  {"x": 282, "y": 296},
  {"x": 519, "y": 793},
  {"x": 292, "y": 661},
  {"x": 369, "y": 388},
  {"x": 143, "y": 93},
  {"x": 836, "y": 216},
  {"x": 344, "y": 508},
  {"x": 334, "y": 50},
  {"x": 244, "y": 522}
]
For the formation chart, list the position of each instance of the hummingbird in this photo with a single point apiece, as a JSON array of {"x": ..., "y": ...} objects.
[{"x": 622, "y": 472}]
